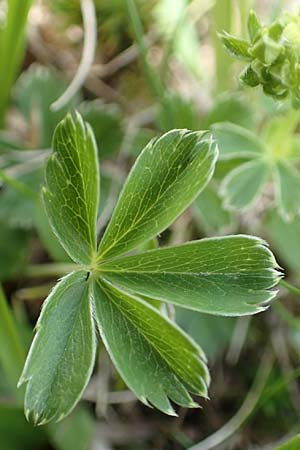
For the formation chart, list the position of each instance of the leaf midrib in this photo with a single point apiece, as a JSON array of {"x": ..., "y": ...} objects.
[
  {"x": 204, "y": 274},
  {"x": 115, "y": 243},
  {"x": 74, "y": 325},
  {"x": 124, "y": 313}
]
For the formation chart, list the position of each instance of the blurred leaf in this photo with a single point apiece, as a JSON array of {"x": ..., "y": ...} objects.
[
  {"x": 106, "y": 122},
  {"x": 16, "y": 433},
  {"x": 71, "y": 194},
  {"x": 17, "y": 210},
  {"x": 154, "y": 357},
  {"x": 178, "y": 27},
  {"x": 35, "y": 91},
  {"x": 243, "y": 185},
  {"x": 236, "y": 142},
  {"x": 284, "y": 238},
  {"x": 61, "y": 358},
  {"x": 140, "y": 139},
  {"x": 168, "y": 175},
  {"x": 288, "y": 190},
  {"x": 12, "y": 353},
  {"x": 75, "y": 432},
  {"x": 210, "y": 213},
  {"x": 212, "y": 332},
  {"x": 177, "y": 112},
  {"x": 292, "y": 444},
  {"x": 14, "y": 251},
  {"x": 228, "y": 276},
  {"x": 230, "y": 108}
]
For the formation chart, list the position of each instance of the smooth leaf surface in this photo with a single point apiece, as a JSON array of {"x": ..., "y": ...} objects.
[
  {"x": 236, "y": 142},
  {"x": 61, "y": 358},
  {"x": 71, "y": 194},
  {"x": 154, "y": 357},
  {"x": 243, "y": 185},
  {"x": 288, "y": 191},
  {"x": 168, "y": 175},
  {"x": 225, "y": 276}
]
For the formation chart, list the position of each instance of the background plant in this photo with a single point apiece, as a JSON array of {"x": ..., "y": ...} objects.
[{"x": 261, "y": 396}]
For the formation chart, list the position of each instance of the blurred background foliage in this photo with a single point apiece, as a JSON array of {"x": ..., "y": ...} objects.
[{"x": 163, "y": 68}]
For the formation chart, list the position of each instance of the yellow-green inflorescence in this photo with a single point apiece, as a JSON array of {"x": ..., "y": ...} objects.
[{"x": 273, "y": 56}]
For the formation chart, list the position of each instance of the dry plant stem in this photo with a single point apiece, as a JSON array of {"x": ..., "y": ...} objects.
[
  {"x": 33, "y": 293},
  {"x": 102, "y": 381},
  {"x": 88, "y": 54},
  {"x": 123, "y": 59},
  {"x": 262, "y": 375}
]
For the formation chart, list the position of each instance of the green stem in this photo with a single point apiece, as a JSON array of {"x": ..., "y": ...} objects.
[
  {"x": 292, "y": 289},
  {"x": 49, "y": 270},
  {"x": 222, "y": 16},
  {"x": 153, "y": 79},
  {"x": 12, "y": 45},
  {"x": 18, "y": 186},
  {"x": 12, "y": 352}
]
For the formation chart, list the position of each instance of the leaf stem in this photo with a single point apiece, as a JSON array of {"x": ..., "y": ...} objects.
[
  {"x": 153, "y": 79},
  {"x": 49, "y": 270},
  {"x": 292, "y": 289}
]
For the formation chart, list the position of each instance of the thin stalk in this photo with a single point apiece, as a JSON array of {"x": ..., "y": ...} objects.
[
  {"x": 12, "y": 352},
  {"x": 18, "y": 186},
  {"x": 246, "y": 409},
  {"x": 153, "y": 79},
  {"x": 33, "y": 293},
  {"x": 49, "y": 270},
  {"x": 292, "y": 289}
]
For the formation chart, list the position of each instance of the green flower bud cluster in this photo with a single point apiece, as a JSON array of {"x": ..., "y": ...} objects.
[{"x": 273, "y": 56}]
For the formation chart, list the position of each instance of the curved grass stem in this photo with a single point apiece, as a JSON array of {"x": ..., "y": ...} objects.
[{"x": 246, "y": 409}]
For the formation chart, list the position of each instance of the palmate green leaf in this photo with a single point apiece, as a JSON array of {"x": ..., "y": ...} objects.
[
  {"x": 167, "y": 176},
  {"x": 288, "y": 190},
  {"x": 71, "y": 194},
  {"x": 34, "y": 92},
  {"x": 210, "y": 213},
  {"x": 62, "y": 354},
  {"x": 236, "y": 142},
  {"x": 243, "y": 185},
  {"x": 228, "y": 276},
  {"x": 292, "y": 444},
  {"x": 154, "y": 357}
]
